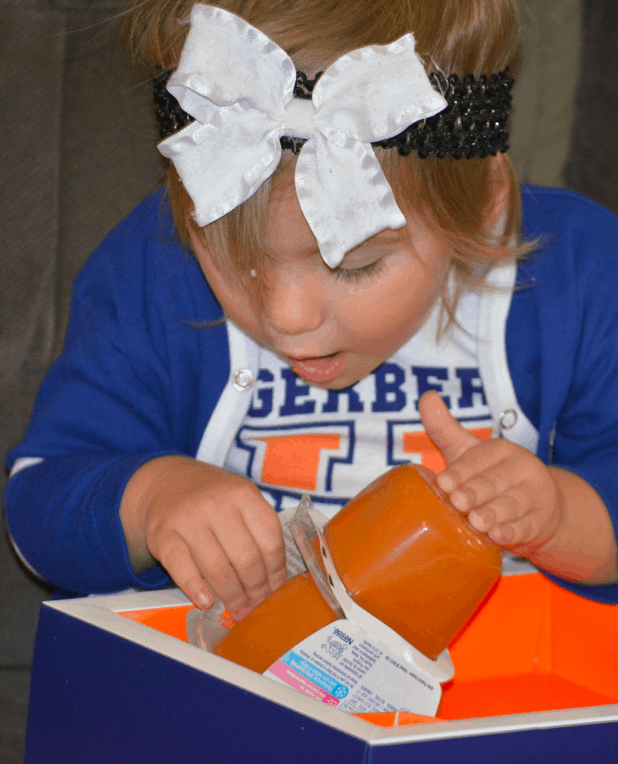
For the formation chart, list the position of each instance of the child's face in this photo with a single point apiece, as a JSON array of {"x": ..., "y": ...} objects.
[{"x": 335, "y": 326}]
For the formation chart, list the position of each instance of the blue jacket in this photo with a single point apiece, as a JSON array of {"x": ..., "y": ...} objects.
[{"x": 145, "y": 363}]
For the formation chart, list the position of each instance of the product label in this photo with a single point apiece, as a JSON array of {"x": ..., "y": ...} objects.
[{"x": 344, "y": 666}]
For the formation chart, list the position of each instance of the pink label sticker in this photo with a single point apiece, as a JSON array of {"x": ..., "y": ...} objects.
[{"x": 300, "y": 683}]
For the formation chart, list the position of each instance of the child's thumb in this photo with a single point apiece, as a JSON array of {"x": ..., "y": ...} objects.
[{"x": 449, "y": 436}]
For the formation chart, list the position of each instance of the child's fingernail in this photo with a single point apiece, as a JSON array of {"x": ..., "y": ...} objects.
[
  {"x": 446, "y": 482},
  {"x": 203, "y": 602},
  {"x": 501, "y": 537},
  {"x": 478, "y": 521},
  {"x": 459, "y": 500}
]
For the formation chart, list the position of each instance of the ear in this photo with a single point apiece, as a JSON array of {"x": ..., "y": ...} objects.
[{"x": 501, "y": 176}]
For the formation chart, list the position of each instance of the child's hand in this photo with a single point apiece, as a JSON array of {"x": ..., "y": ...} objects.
[
  {"x": 505, "y": 490},
  {"x": 210, "y": 529}
]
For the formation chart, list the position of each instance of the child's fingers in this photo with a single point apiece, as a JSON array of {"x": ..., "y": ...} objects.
[
  {"x": 447, "y": 433},
  {"x": 510, "y": 521},
  {"x": 506, "y": 508},
  {"x": 197, "y": 526},
  {"x": 249, "y": 551},
  {"x": 198, "y": 563},
  {"x": 176, "y": 558},
  {"x": 495, "y": 458},
  {"x": 265, "y": 529},
  {"x": 477, "y": 481},
  {"x": 230, "y": 561},
  {"x": 248, "y": 563},
  {"x": 253, "y": 539},
  {"x": 520, "y": 534}
]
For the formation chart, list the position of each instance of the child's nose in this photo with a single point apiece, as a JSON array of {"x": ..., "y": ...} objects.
[{"x": 295, "y": 305}]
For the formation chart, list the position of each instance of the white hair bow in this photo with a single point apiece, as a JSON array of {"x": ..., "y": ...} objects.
[{"x": 239, "y": 86}]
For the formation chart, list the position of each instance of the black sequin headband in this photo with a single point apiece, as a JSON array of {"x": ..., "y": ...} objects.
[{"x": 472, "y": 124}]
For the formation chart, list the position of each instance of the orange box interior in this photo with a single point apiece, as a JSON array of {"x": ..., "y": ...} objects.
[{"x": 532, "y": 646}]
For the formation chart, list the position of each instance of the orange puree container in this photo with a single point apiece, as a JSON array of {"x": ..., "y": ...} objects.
[
  {"x": 292, "y": 613},
  {"x": 402, "y": 554}
]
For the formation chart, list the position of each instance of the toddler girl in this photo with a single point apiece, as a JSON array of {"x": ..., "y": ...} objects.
[{"x": 342, "y": 276}]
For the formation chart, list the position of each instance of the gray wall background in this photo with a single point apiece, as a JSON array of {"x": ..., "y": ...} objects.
[{"x": 78, "y": 152}]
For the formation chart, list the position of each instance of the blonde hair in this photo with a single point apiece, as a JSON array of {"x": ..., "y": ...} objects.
[{"x": 455, "y": 197}]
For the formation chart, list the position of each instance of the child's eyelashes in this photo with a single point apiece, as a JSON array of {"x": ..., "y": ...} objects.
[{"x": 355, "y": 275}]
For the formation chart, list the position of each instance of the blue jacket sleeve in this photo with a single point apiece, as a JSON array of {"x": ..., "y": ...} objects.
[
  {"x": 125, "y": 390},
  {"x": 563, "y": 331},
  {"x": 64, "y": 523},
  {"x": 586, "y": 432}
]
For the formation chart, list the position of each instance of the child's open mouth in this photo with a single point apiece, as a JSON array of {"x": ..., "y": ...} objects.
[{"x": 320, "y": 369}]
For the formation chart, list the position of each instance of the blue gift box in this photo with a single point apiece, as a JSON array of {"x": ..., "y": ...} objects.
[{"x": 107, "y": 687}]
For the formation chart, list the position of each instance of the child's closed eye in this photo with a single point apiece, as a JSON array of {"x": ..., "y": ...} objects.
[{"x": 355, "y": 275}]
